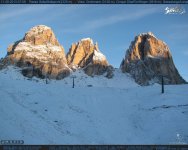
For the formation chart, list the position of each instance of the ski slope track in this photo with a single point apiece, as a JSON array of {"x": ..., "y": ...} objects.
[{"x": 97, "y": 111}]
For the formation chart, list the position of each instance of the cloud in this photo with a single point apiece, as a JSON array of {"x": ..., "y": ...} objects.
[
  {"x": 113, "y": 19},
  {"x": 34, "y": 14},
  {"x": 17, "y": 14},
  {"x": 20, "y": 10},
  {"x": 67, "y": 15}
]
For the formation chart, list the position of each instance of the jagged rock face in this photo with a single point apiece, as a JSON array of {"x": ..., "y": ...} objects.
[
  {"x": 39, "y": 54},
  {"x": 3, "y": 63},
  {"x": 149, "y": 58},
  {"x": 86, "y": 55},
  {"x": 41, "y": 35}
]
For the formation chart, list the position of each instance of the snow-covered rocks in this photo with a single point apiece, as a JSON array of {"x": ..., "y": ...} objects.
[
  {"x": 87, "y": 39},
  {"x": 98, "y": 56},
  {"x": 39, "y": 54},
  {"x": 149, "y": 58},
  {"x": 87, "y": 55},
  {"x": 41, "y": 34}
]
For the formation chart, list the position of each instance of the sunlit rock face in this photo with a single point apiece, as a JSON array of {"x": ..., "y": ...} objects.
[
  {"x": 85, "y": 54},
  {"x": 149, "y": 58},
  {"x": 39, "y": 54}
]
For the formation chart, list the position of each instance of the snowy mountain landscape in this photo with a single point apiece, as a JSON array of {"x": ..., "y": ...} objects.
[
  {"x": 107, "y": 105},
  {"x": 116, "y": 111}
]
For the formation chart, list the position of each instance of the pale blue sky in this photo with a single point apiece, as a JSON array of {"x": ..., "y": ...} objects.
[{"x": 112, "y": 26}]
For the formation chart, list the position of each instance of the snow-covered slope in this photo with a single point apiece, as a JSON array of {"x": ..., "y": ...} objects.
[{"x": 97, "y": 111}]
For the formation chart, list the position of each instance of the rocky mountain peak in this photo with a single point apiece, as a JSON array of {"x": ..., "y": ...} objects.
[
  {"x": 147, "y": 45},
  {"x": 85, "y": 54},
  {"x": 82, "y": 53},
  {"x": 149, "y": 58},
  {"x": 87, "y": 40},
  {"x": 40, "y": 35},
  {"x": 39, "y": 54},
  {"x": 147, "y": 34}
]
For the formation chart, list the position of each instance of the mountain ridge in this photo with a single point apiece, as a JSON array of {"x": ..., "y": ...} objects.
[{"x": 40, "y": 54}]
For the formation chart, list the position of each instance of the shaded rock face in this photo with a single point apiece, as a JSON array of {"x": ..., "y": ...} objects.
[
  {"x": 149, "y": 58},
  {"x": 39, "y": 54},
  {"x": 4, "y": 62},
  {"x": 85, "y": 54}
]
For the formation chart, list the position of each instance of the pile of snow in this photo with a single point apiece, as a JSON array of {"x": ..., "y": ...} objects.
[
  {"x": 39, "y": 28},
  {"x": 148, "y": 33},
  {"x": 87, "y": 39},
  {"x": 96, "y": 111},
  {"x": 40, "y": 48},
  {"x": 98, "y": 56}
]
